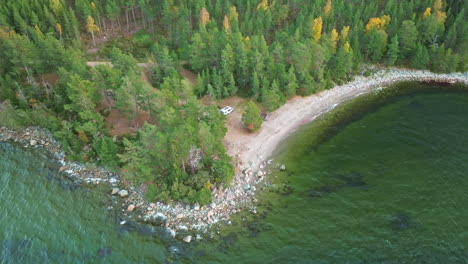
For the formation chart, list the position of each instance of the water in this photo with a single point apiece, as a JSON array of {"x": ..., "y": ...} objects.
[{"x": 382, "y": 179}]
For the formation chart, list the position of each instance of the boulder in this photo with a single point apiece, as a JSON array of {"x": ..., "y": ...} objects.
[
  {"x": 213, "y": 205},
  {"x": 123, "y": 193},
  {"x": 114, "y": 191},
  {"x": 33, "y": 142},
  {"x": 196, "y": 207},
  {"x": 282, "y": 167},
  {"x": 157, "y": 219},
  {"x": 187, "y": 239},
  {"x": 246, "y": 187},
  {"x": 131, "y": 207}
]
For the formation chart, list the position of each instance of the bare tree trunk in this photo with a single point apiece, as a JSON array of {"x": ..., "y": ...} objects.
[
  {"x": 143, "y": 17},
  {"x": 133, "y": 14},
  {"x": 126, "y": 14},
  {"x": 94, "y": 41}
]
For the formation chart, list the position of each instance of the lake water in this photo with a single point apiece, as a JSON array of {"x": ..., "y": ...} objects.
[{"x": 383, "y": 179}]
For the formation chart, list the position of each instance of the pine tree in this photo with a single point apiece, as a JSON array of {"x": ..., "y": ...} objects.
[
  {"x": 421, "y": 57},
  {"x": 255, "y": 85},
  {"x": 292, "y": 83},
  {"x": 408, "y": 35},
  {"x": 392, "y": 52}
]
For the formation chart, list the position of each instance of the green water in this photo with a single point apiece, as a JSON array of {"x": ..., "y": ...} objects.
[{"x": 383, "y": 179}]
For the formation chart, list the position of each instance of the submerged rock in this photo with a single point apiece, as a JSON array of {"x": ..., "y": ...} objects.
[
  {"x": 400, "y": 222},
  {"x": 104, "y": 252}
]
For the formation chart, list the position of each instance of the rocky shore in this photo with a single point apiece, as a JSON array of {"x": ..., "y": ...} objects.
[
  {"x": 188, "y": 222},
  {"x": 34, "y": 137}
]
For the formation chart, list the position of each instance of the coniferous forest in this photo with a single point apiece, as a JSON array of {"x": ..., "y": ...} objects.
[{"x": 262, "y": 49}]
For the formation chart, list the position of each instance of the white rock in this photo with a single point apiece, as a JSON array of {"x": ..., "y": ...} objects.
[
  {"x": 171, "y": 232},
  {"x": 188, "y": 239},
  {"x": 196, "y": 207},
  {"x": 210, "y": 213},
  {"x": 123, "y": 193},
  {"x": 213, "y": 205},
  {"x": 123, "y": 222},
  {"x": 283, "y": 167},
  {"x": 33, "y": 142},
  {"x": 131, "y": 207},
  {"x": 160, "y": 216},
  {"x": 259, "y": 173},
  {"x": 113, "y": 180},
  {"x": 115, "y": 191},
  {"x": 179, "y": 216}
]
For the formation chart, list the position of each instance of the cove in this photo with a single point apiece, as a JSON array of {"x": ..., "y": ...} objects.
[{"x": 381, "y": 179}]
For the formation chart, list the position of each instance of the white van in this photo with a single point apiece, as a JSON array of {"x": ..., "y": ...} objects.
[{"x": 227, "y": 110}]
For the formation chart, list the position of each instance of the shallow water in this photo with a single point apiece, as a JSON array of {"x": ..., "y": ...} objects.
[{"x": 385, "y": 182}]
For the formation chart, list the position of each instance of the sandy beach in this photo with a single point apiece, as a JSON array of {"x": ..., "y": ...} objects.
[{"x": 252, "y": 149}]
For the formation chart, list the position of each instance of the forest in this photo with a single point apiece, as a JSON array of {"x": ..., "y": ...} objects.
[{"x": 265, "y": 50}]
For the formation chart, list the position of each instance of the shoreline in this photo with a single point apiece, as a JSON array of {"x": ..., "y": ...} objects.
[{"x": 250, "y": 151}]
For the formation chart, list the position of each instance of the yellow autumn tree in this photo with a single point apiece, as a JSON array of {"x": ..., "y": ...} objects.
[
  {"x": 233, "y": 15},
  {"x": 91, "y": 27},
  {"x": 327, "y": 8},
  {"x": 347, "y": 47},
  {"x": 226, "y": 24},
  {"x": 334, "y": 37},
  {"x": 427, "y": 12},
  {"x": 317, "y": 29},
  {"x": 344, "y": 32},
  {"x": 6, "y": 32},
  {"x": 56, "y": 6},
  {"x": 204, "y": 17},
  {"x": 438, "y": 5},
  {"x": 58, "y": 27},
  {"x": 377, "y": 23},
  {"x": 263, "y": 5},
  {"x": 440, "y": 14}
]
